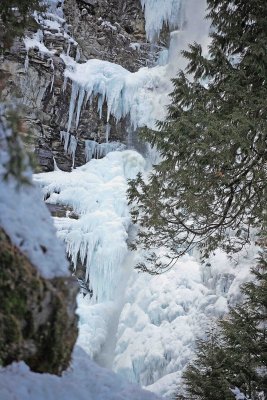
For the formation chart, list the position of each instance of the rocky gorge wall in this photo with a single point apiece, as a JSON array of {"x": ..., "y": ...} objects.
[{"x": 107, "y": 30}]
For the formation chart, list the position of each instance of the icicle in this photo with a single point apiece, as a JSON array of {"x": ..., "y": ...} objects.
[
  {"x": 68, "y": 49},
  {"x": 79, "y": 105},
  {"x": 26, "y": 63},
  {"x": 64, "y": 137},
  {"x": 72, "y": 148},
  {"x": 96, "y": 150},
  {"x": 78, "y": 55},
  {"x": 74, "y": 93},
  {"x": 66, "y": 141},
  {"x": 108, "y": 128},
  {"x": 55, "y": 165},
  {"x": 64, "y": 84},
  {"x": 170, "y": 12},
  {"x": 100, "y": 104},
  {"x": 53, "y": 76},
  {"x": 88, "y": 98},
  {"x": 90, "y": 146}
]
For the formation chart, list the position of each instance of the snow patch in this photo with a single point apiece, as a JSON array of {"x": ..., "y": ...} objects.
[{"x": 83, "y": 381}]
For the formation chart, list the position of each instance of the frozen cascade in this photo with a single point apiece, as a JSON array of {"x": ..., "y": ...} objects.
[
  {"x": 143, "y": 327},
  {"x": 97, "y": 193},
  {"x": 158, "y": 318}
]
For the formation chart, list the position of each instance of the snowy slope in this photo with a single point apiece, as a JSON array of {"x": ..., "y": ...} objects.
[
  {"x": 84, "y": 381},
  {"x": 25, "y": 218}
]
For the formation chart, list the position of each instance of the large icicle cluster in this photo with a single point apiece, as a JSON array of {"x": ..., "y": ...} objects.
[
  {"x": 134, "y": 94},
  {"x": 97, "y": 193}
]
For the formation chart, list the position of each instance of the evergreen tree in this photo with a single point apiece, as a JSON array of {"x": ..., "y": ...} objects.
[
  {"x": 236, "y": 356},
  {"x": 205, "y": 378},
  {"x": 212, "y": 179}
]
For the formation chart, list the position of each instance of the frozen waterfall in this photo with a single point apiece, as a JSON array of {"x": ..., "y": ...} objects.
[
  {"x": 96, "y": 192},
  {"x": 143, "y": 327}
]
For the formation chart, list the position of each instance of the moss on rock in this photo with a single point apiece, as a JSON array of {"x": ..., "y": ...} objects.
[{"x": 37, "y": 316}]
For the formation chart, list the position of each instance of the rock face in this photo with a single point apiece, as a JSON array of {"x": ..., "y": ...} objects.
[
  {"x": 109, "y": 30},
  {"x": 37, "y": 316}
]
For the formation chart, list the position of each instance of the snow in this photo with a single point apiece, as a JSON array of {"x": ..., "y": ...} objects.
[
  {"x": 26, "y": 219},
  {"x": 238, "y": 395},
  {"x": 51, "y": 23},
  {"x": 83, "y": 381},
  {"x": 55, "y": 9},
  {"x": 36, "y": 41}
]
